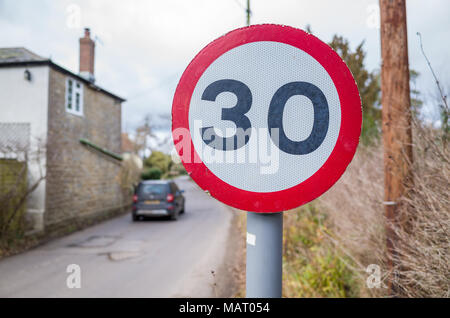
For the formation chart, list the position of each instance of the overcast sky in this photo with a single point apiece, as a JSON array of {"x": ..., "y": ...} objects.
[{"x": 144, "y": 46}]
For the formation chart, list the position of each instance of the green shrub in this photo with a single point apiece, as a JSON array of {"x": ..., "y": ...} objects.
[
  {"x": 313, "y": 267},
  {"x": 179, "y": 168},
  {"x": 159, "y": 160},
  {"x": 151, "y": 174},
  {"x": 13, "y": 188}
]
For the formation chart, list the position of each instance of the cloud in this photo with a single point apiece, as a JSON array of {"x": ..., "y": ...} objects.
[{"x": 145, "y": 45}]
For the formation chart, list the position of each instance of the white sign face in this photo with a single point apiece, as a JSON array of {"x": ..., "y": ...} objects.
[
  {"x": 264, "y": 67},
  {"x": 266, "y": 118}
]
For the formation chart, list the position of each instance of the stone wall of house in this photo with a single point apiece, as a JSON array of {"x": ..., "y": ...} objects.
[{"x": 81, "y": 182}]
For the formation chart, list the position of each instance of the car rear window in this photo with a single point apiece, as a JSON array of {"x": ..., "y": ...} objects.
[{"x": 152, "y": 189}]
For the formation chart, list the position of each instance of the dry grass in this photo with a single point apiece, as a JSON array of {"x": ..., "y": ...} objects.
[
  {"x": 312, "y": 266},
  {"x": 424, "y": 243},
  {"x": 355, "y": 207}
]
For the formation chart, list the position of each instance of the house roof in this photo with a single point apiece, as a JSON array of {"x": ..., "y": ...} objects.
[{"x": 20, "y": 56}]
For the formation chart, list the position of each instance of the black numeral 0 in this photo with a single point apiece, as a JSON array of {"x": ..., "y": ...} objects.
[
  {"x": 237, "y": 113},
  {"x": 321, "y": 117}
]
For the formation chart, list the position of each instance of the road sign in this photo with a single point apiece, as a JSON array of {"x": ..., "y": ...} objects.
[{"x": 266, "y": 118}]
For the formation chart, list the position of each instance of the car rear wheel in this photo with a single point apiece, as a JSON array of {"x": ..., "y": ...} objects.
[{"x": 174, "y": 216}]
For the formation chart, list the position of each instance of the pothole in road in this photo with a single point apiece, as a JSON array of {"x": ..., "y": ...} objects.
[
  {"x": 96, "y": 241},
  {"x": 114, "y": 247},
  {"x": 121, "y": 255}
]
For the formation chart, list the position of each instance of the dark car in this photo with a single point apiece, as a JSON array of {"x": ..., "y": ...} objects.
[{"x": 157, "y": 198}]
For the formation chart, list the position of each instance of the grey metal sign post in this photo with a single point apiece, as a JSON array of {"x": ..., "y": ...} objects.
[{"x": 264, "y": 255}]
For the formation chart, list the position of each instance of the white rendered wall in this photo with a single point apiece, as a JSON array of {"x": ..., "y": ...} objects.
[{"x": 23, "y": 101}]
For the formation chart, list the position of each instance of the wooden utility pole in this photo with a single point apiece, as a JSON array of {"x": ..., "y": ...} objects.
[
  {"x": 248, "y": 12},
  {"x": 396, "y": 119}
]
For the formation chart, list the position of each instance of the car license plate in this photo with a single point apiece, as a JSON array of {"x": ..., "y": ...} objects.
[
  {"x": 152, "y": 212},
  {"x": 152, "y": 202}
]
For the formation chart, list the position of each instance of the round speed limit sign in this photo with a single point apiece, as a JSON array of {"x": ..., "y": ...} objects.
[{"x": 266, "y": 118}]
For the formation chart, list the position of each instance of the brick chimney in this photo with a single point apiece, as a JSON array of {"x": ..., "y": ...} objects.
[{"x": 87, "y": 52}]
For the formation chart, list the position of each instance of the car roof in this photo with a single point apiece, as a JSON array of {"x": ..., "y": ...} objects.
[{"x": 156, "y": 181}]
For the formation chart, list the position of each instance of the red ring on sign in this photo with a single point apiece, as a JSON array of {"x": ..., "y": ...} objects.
[{"x": 340, "y": 157}]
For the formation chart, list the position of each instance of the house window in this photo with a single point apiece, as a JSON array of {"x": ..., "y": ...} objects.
[{"x": 74, "y": 97}]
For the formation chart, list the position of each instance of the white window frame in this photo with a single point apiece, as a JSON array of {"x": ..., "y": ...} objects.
[{"x": 77, "y": 88}]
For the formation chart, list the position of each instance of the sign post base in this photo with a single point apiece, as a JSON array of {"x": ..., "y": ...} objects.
[{"x": 264, "y": 255}]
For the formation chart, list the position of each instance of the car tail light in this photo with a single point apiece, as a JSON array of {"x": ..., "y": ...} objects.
[
  {"x": 170, "y": 197},
  {"x": 135, "y": 198}
]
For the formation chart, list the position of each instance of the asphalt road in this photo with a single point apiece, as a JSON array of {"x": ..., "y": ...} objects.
[{"x": 121, "y": 258}]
